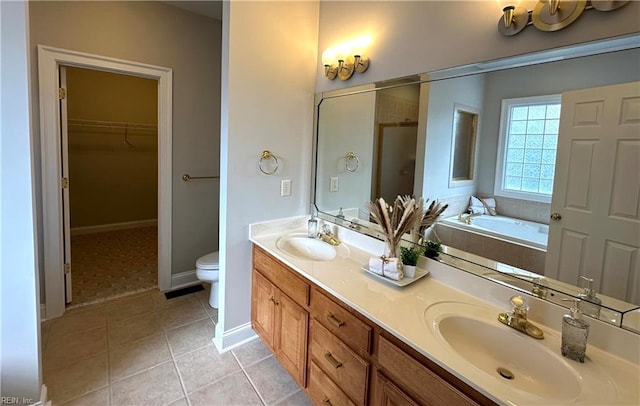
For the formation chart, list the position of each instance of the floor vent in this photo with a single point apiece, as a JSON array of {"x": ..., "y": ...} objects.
[{"x": 183, "y": 291}]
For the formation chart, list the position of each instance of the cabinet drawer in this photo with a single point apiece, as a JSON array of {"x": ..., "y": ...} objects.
[
  {"x": 339, "y": 362},
  {"x": 385, "y": 393},
  {"x": 424, "y": 385},
  {"x": 281, "y": 276},
  {"x": 341, "y": 322},
  {"x": 323, "y": 391}
]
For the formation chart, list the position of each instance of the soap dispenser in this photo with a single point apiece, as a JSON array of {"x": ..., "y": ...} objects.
[
  {"x": 589, "y": 304},
  {"x": 312, "y": 224},
  {"x": 575, "y": 332}
]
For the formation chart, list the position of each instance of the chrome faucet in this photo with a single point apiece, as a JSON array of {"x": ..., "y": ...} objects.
[
  {"x": 467, "y": 218},
  {"x": 517, "y": 318},
  {"x": 327, "y": 236}
]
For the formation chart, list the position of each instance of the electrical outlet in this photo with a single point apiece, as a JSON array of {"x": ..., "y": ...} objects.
[
  {"x": 285, "y": 187},
  {"x": 334, "y": 184}
]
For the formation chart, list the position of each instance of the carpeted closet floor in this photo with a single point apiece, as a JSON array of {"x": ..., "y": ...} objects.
[{"x": 113, "y": 264}]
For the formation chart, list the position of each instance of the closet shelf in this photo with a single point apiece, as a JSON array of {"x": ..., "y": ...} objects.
[{"x": 124, "y": 127}]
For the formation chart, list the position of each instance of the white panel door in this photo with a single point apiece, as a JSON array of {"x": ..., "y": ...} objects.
[
  {"x": 64, "y": 155},
  {"x": 596, "y": 195}
]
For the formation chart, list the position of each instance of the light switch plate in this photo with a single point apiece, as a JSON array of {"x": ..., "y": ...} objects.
[
  {"x": 334, "y": 184},
  {"x": 285, "y": 187}
]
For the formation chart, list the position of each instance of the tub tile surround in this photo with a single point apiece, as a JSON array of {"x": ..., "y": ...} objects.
[
  {"x": 538, "y": 212},
  {"x": 401, "y": 311},
  {"x": 510, "y": 253}
]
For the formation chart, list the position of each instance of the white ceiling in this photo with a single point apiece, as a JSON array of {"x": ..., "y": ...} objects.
[{"x": 208, "y": 8}]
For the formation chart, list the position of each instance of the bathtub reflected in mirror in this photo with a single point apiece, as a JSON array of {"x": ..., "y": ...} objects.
[{"x": 521, "y": 243}]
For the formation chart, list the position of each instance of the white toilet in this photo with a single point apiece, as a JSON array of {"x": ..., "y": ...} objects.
[{"x": 208, "y": 270}]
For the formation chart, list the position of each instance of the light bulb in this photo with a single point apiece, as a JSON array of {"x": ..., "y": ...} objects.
[
  {"x": 359, "y": 44},
  {"x": 342, "y": 52},
  {"x": 328, "y": 57}
]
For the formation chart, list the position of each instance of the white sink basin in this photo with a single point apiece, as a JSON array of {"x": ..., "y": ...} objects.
[
  {"x": 301, "y": 246},
  {"x": 475, "y": 335}
]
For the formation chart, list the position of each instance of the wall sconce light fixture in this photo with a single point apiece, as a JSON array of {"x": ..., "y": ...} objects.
[
  {"x": 513, "y": 20},
  {"x": 550, "y": 15},
  {"x": 345, "y": 59}
]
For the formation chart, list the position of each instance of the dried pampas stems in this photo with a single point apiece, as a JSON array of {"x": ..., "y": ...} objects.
[
  {"x": 405, "y": 215},
  {"x": 430, "y": 216}
]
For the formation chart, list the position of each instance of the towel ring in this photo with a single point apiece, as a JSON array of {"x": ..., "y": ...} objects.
[
  {"x": 267, "y": 156},
  {"x": 351, "y": 162}
]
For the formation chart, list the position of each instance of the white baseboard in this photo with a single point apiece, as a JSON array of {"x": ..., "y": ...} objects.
[
  {"x": 43, "y": 401},
  {"x": 43, "y": 311},
  {"x": 228, "y": 340},
  {"x": 183, "y": 279},
  {"x": 113, "y": 227}
]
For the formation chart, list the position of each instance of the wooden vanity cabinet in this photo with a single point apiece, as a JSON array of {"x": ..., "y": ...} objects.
[
  {"x": 344, "y": 357},
  {"x": 413, "y": 380},
  {"x": 386, "y": 393},
  {"x": 281, "y": 322}
]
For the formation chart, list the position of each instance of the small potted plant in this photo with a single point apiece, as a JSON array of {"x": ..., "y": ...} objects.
[
  {"x": 432, "y": 249},
  {"x": 409, "y": 257}
]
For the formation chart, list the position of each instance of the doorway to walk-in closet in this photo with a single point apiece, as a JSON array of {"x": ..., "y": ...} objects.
[{"x": 112, "y": 159}]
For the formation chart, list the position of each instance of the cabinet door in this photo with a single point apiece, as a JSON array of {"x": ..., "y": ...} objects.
[
  {"x": 263, "y": 299},
  {"x": 292, "y": 327},
  {"x": 388, "y": 394}
]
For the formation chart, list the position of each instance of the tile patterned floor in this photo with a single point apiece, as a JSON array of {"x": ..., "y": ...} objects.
[
  {"x": 113, "y": 263},
  {"x": 146, "y": 350}
]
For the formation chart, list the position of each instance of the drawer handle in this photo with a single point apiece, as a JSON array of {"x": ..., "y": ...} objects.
[
  {"x": 334, "y": 362},
  {"x": 333, "y": 320},
  {"x": 326, "y": 401}
]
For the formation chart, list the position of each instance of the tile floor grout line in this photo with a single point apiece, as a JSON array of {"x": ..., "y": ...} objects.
[
  {"x": 183, "y": 325},
  {"x": 199, "y": 388},
  {"x": 260, "y": 360},
  {"x": 194, "y": 350},
  {"x": 58, "y": 369},
  {"x": 117, "y": 347},
  {"x": 183, "y": 386},
  {"x": 108, "y": 358},
  {"x": 264, "y": 403},
  {"x": 148, "y": 368},
  {"x": 84, "y": 394},
  {"x": 166, "y": 361}
]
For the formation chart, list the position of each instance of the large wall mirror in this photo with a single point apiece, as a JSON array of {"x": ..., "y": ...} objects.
[{"x": 444, "y": 133}]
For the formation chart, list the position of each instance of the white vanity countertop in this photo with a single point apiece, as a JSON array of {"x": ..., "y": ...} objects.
[{"x": 608, "y": 379}]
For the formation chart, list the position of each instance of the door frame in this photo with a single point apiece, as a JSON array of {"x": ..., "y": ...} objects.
[{"x": 49, "y": 61}]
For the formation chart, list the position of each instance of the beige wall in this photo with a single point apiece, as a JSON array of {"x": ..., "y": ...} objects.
[
  {"x": 106, "y": 96},
  {"x": 113, "y": 172},
  {"x": 269, "y": 74},
  {"x": 161, "y": 35},
  {"x": 413, "y": 37}
]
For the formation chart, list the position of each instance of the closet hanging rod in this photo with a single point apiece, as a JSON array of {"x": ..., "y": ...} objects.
[{"x": 112, "y": 124}]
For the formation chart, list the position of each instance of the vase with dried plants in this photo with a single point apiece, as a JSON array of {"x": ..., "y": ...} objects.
[
  {"x": 430, "y": 216},
  {"x": 404, "y": 215}
]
